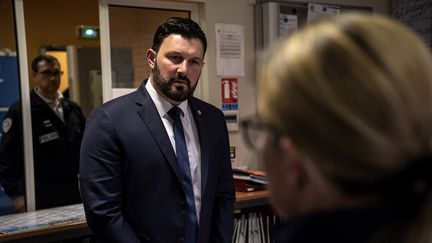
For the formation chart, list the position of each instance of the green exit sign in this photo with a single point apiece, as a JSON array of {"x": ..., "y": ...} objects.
[{"x": 88, "y": 32}]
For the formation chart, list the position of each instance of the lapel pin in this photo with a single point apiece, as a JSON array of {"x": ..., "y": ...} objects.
[{"x": 199, "y": 112}]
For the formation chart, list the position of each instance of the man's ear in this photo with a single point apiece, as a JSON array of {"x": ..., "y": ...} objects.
[
  {"x": 33, "y": 73},
  {"x": 296, "y": 173},
  {"x": 151, "y": 58}
]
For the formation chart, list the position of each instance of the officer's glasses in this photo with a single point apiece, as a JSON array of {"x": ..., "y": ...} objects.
[{"x": 48, "y": 74}]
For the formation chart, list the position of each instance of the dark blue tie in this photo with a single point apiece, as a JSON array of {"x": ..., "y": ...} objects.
[{"x": 183, "y": 161}]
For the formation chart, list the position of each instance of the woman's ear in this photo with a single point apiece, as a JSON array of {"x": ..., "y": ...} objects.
[
  {"x": 151, "y": 58},
  {"x": 296, "y": 173}
]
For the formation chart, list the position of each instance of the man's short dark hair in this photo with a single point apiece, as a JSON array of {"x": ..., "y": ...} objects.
[
  {"x": 43, "y": 57},
  {"x": 185, "y": 27}
]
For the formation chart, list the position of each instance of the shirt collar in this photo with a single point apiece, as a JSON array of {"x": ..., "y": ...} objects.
[{"x": 57, "y": 100}]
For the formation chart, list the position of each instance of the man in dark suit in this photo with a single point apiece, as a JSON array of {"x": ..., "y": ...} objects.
[{"x": 134, "y": 184}]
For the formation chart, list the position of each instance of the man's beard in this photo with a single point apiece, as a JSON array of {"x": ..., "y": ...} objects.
[{"x": 171, "y": 91}]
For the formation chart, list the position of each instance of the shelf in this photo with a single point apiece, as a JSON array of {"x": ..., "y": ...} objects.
[{"x": 251, "y": 199}]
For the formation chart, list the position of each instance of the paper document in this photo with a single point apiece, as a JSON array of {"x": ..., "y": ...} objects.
[{"x": 229, "y": 50}]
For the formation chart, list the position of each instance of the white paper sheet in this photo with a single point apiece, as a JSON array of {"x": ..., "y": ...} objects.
[
  {"x": 287, "y": 24},
  {"x": 318, "y": 11},
  {"x": 229, "y": 49}
]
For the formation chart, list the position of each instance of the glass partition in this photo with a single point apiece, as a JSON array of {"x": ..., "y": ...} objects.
[
  {"x": 127, "y": 29},
  {"x": 51, "y": 144},
  {"x": 47, "y": 32},
  {"x": 131, "y": 34},
  {"x": 52, "y": 27},
  {"x": 9, "y": 94}
]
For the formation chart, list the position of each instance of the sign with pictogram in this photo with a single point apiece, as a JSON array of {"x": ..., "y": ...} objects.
[{"x": 229, "y": 95}]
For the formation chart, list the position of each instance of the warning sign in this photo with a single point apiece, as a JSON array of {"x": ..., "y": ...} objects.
[{"x": 229, "y": 95}]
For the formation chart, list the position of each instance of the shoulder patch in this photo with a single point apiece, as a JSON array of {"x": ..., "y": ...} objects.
[{"x": 7, "y": 124}]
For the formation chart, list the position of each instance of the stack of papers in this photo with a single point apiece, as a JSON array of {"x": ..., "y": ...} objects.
[{"x": 249, "y": 180}]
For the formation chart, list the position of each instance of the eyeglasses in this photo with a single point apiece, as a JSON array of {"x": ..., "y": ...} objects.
[
  {"x": 47, "y": 73},
  {"x": 256, "y": 133}
]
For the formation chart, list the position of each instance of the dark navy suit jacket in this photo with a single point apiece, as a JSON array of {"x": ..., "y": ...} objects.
[{"x": 129, "y": 177}]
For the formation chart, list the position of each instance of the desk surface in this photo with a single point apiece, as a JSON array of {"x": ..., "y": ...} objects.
[
  {"x": 246, "y": 196},
  {"x": 40, "y": 222},
  {"x": 69, "y": 218}
]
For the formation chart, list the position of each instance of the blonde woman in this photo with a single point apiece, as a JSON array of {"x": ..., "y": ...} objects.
[{"x": 345, "y": 132}]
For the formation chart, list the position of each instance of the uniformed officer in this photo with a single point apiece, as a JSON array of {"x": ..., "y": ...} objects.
[{"x": 58, "y": 126}]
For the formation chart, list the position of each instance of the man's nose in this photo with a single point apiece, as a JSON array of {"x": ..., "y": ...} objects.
[{"x": 183, "y": 67}]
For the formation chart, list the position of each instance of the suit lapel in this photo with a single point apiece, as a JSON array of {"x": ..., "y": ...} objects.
[
  {"x": 149, "y": 114},
  {"x": 199, "y": 116}
]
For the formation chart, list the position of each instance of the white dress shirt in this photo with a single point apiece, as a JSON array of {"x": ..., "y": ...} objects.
[
  {"x": 191, "y": 136},
  {"x": 54, "y": 105}
]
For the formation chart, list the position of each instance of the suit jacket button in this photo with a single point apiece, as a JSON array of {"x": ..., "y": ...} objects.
[
  {"x": 180, "y": 239},
  {"x": 183, "y": 204}
]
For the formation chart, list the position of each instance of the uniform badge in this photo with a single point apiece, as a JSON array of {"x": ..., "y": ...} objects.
[
  {"x": 49, "y": 137},
  {"x": 47, "y": 123},
  {"x": 7, "y": 124}
]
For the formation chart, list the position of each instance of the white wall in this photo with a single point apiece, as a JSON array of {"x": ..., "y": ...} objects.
[
  {"x": 242, "y": 12},
  {"x": 239, "y": 12}
]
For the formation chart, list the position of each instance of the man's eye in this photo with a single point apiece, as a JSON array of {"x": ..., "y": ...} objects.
[
  {"x": 176, "y": 59},
  {"x": 195, "y": 62}
]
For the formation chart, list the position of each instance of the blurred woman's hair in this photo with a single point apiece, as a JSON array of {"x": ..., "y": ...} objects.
[{"x": 354, "y": 94}]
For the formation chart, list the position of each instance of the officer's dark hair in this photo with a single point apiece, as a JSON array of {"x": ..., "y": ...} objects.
[
  {"x": 185, "y": 27},
  {"x": 43, "y": 57}
]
